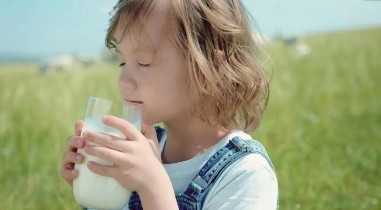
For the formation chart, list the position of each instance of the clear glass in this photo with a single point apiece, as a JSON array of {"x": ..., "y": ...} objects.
[{"x": 92, "y": 190}]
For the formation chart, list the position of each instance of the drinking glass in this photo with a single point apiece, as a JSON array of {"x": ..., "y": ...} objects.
[{"x": 92, "y": 190}]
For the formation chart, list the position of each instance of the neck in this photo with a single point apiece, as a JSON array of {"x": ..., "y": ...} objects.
[{"x": 188, "y": 138}]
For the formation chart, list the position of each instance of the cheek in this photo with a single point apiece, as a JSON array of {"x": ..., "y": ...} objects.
[
  {"x": 164, "y": 100},
  {"x": 121, "y": 87}
]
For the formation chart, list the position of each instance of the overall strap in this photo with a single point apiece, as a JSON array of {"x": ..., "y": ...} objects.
[
  {"x": 217, "y": 164},
  {"x": 235, "y": 149},
  {"x": 160, "y": 132}
]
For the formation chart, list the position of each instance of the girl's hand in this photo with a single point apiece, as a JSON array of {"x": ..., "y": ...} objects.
[
  {"x": 150, "y": 133},
  {"x": 137, "y": 165},
  {"x": 70, "y": 157}
]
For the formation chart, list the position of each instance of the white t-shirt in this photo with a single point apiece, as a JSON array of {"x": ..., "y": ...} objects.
[{"x": 248, "y": 183}]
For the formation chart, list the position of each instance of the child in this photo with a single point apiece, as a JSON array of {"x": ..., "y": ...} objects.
[{"x": 193, "y": 66}]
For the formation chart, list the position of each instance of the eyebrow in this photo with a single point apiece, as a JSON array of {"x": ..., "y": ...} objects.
[{"x": 138, "y": 50}]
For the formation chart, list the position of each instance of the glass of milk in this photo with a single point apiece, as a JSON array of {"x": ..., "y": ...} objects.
[{"x": 92, "y": 190}]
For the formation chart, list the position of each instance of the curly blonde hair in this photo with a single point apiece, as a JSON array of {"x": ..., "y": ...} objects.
[{"x": 225, "y": 76}]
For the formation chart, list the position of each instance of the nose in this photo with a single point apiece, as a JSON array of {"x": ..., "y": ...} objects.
[{"x": 126, "y": 81}]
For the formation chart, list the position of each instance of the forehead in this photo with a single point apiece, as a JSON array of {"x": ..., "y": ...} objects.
[{"x": 150, "y": 31}]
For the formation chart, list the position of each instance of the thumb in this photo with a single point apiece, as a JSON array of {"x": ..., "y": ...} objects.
[{"x": 78, "y": 127}]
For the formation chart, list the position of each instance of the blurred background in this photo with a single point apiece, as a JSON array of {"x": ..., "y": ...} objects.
[{"x": 322, "y": 126}]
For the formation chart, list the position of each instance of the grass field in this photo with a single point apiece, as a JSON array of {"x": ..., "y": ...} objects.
[{"x": 322, "y": 127}]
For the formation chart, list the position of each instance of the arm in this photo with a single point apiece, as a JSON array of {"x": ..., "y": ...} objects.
[{"x": 160, "y": 196}]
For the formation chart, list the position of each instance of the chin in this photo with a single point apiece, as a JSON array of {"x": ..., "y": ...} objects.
[{"x": 147, "y": 120}]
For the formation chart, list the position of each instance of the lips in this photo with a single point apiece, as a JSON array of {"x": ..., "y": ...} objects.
[{"x": 134, "y": 102}]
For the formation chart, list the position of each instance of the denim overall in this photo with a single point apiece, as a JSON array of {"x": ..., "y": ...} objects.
[{"x": 194, "y": 196}]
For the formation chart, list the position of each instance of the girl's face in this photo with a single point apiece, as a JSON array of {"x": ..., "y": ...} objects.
[{"x": 153, "y": 71}]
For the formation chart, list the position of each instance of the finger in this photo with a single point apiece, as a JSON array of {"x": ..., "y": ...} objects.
[
  {"x": 78, "y": 127},
  {"x": 124, "y": 126},
  {"x": 71, "y": 157},
  {"x": 105, "y": 140},
  {"x": 69, "y": 166},
  {"x": 69, "y": 174},
  {"x": 113, "y": 156},
  {"x": 74, "y": 142},
  {"x": 150, "y": 134},
  {"x": 149, "y": 131},
  {"x": 108, "y": 171},
  {"x": 155, "y": 150}
]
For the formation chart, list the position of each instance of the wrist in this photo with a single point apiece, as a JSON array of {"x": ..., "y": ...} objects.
[
  {"x": 159, "y": 194},
  {"x": 160, "y": 183}
]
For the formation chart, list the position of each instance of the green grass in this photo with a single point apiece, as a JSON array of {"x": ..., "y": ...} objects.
[{"x": 322, "y": 126}]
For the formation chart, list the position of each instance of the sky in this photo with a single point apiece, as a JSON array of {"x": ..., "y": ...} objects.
[{"x": 52, "y": 27}]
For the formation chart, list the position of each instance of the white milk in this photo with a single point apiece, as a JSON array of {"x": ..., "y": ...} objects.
[{"x": 92, "y": 190}]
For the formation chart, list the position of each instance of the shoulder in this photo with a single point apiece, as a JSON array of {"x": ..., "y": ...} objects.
[
  {"x": 252, "y": 169},
  {"x": 252, "y": 166},
  {"x": 249, "y": 183},
  {"x": 256, "y": 161}
]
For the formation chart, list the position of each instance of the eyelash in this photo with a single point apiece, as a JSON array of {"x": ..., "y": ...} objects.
[{"x": 139, "y": 64}]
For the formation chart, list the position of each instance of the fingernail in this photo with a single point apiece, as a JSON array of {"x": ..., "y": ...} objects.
[
  {"x": 73, "y": 172},
  {"x": 80, "y": 142},
  {"x": 85, "y": 134},
  {"x": 78, "y": 157},
  {"x": 89, "y": 163}
]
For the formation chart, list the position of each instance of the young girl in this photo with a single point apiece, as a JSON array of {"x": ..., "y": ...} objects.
[{"x": 193, "y": 66}]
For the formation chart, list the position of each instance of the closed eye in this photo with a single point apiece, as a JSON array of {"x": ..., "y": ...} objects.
[
  {"x": 143, "y": 64},
  {"x": 139, "y": 64}
]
